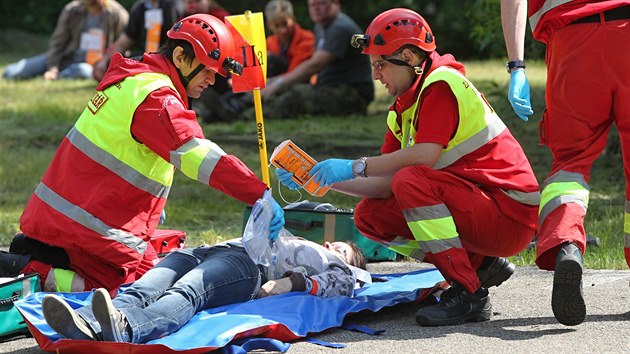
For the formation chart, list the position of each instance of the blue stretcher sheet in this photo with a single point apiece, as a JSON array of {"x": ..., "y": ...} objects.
[{"x": 284, "y": 317}]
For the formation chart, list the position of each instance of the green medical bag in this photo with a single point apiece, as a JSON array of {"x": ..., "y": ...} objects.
[
  {"x": 331, "y": 225},
  {"x": 12, "y": 290}
]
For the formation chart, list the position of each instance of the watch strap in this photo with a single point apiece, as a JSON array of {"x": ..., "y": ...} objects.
[{"x": 515, "y": 64}]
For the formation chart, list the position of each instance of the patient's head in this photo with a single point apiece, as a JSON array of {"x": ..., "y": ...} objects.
[{"x": 349, "y": 251}]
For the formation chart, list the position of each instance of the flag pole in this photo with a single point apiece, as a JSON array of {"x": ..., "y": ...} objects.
[
  {"x": 260, "y": 127},
  {"x": 250, "y": 30},
  {"x": 260, "y": 130}
]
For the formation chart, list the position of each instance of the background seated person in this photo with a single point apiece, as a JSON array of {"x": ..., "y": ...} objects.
[
  {"x": 289, "y": 44},
  {"x": 191, "y": 280},
  {"x": 209, "y": 7},
  {"x": 344, "y": 82},
  {"x": 83, "y": 31},
  {"x": 287, "y": 47},
  {"x": 144, "y": 14}
]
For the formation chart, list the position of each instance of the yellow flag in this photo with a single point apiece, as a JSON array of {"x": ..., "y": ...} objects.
[{"x": 249, "y": 32}]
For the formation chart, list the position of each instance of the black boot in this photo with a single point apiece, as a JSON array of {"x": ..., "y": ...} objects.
[
  {"x": 494, "y": 271},
  {"x": 457, "y": 308},
  {"x": 11, "y": 264},
  {"x": 567, "y": 299}
]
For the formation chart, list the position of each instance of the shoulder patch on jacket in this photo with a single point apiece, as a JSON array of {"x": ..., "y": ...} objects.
[
  {"x": 172, "y": 101},
  {"x": 97, "y": 101}
]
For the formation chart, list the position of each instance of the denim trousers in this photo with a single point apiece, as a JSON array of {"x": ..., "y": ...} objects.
[
  {"x": 35, "y": 66},
  {"x": 184, "y": 283}
]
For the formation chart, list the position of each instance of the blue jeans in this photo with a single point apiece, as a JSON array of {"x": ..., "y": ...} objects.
[
  {"x": 36, "y": 66},
  {"x": 184, "y": 283}
]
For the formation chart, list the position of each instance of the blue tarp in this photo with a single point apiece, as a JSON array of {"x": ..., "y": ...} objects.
[{"x": 283, "y": 317}]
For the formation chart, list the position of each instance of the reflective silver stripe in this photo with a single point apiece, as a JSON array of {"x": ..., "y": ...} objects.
[
  {"x": 627, "y": 207},
  {"x": 398, "y": 241},
  {"x": 556, "y": 202},
  {"x": 406, "y": 247},
  {"x": 471, "y": 144},
  {"x": 548, "y": 5},
  {"x": 26, "y": 287},
  {"x": 417, "y": 255},
  {"x": 88, "y": 220},
  {"x": 438, "y": 246},
  {"x": 78, "y": 283},
  {"x": 528, "y": 198},
  {"x": 626, "y": 240},
  {"x": 118, "y": 167},
  {"x": 564, "y": 176},
  {"x": 426, "y": 213},
  {"x": 209, "y": 161}
]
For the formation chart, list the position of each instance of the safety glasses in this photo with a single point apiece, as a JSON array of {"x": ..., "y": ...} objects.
[{"x": 378, "y": 64}]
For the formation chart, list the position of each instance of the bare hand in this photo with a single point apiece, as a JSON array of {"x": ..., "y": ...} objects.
[
  {"x": 99, "y": 69},
  {"x": 272, "y": 86},
  {"x": 51, "y": 74},
  {"x": 275, "y": 287}
]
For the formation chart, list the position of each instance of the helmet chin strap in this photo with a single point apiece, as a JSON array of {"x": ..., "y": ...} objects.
[{"x": 186, "y": 79}]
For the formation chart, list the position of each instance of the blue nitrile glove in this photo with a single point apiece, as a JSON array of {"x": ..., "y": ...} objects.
[
  {"x": 332, "y": 171},
  {"x": 163, "y": 217},
  {"x": 518, "y": 94},
  {"x": 277, "y": 220},
  {"x": 284, "y": 177}
]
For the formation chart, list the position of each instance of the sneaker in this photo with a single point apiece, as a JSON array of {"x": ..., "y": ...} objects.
[
  {"x": 113, "y": 322},
  {"x": 458, "y": 308},
  {"x": 64, "y": 320},
  {"x": 494, "y": 271},
  {"x": 567, "y": 298}
]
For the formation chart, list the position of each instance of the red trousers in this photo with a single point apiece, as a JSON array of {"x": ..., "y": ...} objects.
[
  {"x": 588, "y": 90},
  {"x": 479, "y": 214}
]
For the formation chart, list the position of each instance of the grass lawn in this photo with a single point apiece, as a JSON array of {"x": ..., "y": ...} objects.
[{"x": 35, "y": 115}]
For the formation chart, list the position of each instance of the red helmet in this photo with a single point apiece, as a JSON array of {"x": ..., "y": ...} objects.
[
  {"x": 211, "y": 40},
  {"x": 392, "y": 29}
]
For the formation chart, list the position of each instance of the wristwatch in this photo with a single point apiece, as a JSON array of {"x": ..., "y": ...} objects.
[
  {"x": 515, "y": 64},
  {"x": 359, "y": 166}
]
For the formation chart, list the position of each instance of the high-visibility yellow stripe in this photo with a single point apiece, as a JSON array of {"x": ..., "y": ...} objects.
[
  {"x": 626, "y": 223},
  {"x": 483, "y": 126},
  {"x": 63, "y": 278},
  {"x": 436, "y": 229},
  {"x": 192, "y": 159},
  {"x": 556, "y": 189},
  {"x": 109, "y": 127}
]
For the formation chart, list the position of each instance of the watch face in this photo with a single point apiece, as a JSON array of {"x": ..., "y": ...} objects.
[{"x": 359, "y": 167}]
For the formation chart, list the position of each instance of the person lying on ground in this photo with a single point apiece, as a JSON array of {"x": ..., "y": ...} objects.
[{"x": 191, "y": 280}]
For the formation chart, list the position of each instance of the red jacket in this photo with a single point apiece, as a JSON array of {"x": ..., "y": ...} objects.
[
  {"x": 92, "y": 194},
  {"x": 499, "y": 164}
]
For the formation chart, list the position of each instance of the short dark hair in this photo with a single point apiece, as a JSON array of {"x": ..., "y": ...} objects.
[
  {"x": 169, "y": 46},
  {"x": 358, "y": 260}
]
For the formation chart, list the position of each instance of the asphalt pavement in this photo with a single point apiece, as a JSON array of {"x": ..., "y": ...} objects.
[{"x": 522, "y": 322}]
